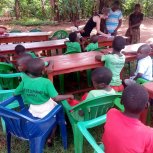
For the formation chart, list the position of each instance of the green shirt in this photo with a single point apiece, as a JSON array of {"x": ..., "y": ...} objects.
[
  {"x": 36, "y": 90},
  {"x": 73, "y": 47},
  {"x": 115, "y": 63},
  {"x": 32, "y": 54},
  {"x": 97, "y": 93},
  {"x": 92, "y": 46}
]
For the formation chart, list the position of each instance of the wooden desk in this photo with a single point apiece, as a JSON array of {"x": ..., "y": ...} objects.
[
  {"x": 76, "y": 62},
  {"x": 24, "y": 37},
  {"x": 34, "y": 46},
  {"x": 149, "y": 87}
]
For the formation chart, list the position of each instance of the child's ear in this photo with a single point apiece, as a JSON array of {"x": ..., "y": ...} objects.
[{"x": 147, "y": 105}]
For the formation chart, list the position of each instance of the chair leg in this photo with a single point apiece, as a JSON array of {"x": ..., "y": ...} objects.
[
  {"x": 78, "y": 140},
  {"x": 8, "y": 142},
  {"x": 37, "y": 145},
  {"x": 3, "y": 125}
]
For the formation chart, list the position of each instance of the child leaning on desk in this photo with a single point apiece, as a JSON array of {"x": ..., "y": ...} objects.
[
  {"x": 144, "y": 65},
  {"x": 37, "y": 91},
  {"x": 101, "y": 78},
  {"x": 115, "y": 62}
]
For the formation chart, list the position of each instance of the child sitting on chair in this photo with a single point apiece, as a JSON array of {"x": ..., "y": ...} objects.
[
  {"x": 93, "y": 44},
  {"x": 101, "y": 78},
  {"x": 73, "y": 46},
  {"x": 37, "y": 91},
  {"x": 123, "y": 131},
  {"x": 115, "y": 62},
  {"x": 144, "y": 65}
]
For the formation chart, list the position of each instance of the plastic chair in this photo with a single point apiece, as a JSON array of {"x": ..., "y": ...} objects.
[
  {"x": 84, "y": 126},
  {"x": 15, "y": 31},
  {"x": 60, "y": 34},
  {"x": 7, "y": 82},
  {"x": 86, "y": 110},
  {"x": 35, "y": 30},
  {"x": 23, "y": 125},
  {"x": 142, "y": 81},
  {"x": 5, "y": 94}
]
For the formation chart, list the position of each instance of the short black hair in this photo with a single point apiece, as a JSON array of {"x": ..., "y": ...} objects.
[
  {"x": 116, "y": 3},
  {"x": 94, "y": 38},
  {"x": 19, "y": 49},
  {"x": 102, "y": 75},
  {"x": 72, "y": 36},
  {"x": 35, "y": 66},
  {"x": 134, "y": 98},
  {"x": 118, "y": 43},
  {"x": 137, "y": 5}
]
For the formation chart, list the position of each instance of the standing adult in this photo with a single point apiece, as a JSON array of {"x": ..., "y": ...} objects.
[
  {"x": 114, "y": 21},
  {"x": 135, "y": 21},
  {"x": 94, "y": 22}
]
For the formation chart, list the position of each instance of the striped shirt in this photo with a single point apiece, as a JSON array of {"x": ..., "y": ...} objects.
[{"x": 113, "y": 20}]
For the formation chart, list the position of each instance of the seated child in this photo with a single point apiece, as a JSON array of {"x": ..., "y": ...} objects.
[
  {"x": 101, "y": 78},
  {"x": 73, "y": 46},
  {"x": 37, "y": 91},
  {"x": 93, "y": 44},
  {"x": 144, "y": 65},
  {"x": 123, "y": 131},
  {"x": 115, "y": 62}
]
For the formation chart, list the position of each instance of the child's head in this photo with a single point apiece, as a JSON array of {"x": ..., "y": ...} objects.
[
  {"x": 22, "y": 62},
  {"x": 116, "y": 5},
  {"x": 134, "y": 99},
  {"x": 19, "y": 49},
  {"x": 143, "y": 51},
  {"x": 73, "y": 36},
  {"x": 76, "y": 23},
  {"x": 118, "y": 43},
  {"x": 101, "y": 77},
  {"x": 94, "y": 39},
  {"x": 35, "y": 67},
  {"x": 137, "y": 8}
]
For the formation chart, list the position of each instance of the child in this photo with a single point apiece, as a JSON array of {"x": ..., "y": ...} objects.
[
  {"x": 73, "y": 46},
  {"x": 123, "y": 131},
  {"x": 115, "y": 62},
  {"x": 101, "y": 77},
  {"x": 37, "y": 91},
  {"x": 135, "y": 21},
  {"x": 93, "y": 45},
  {"x": 144, "y": 65}
]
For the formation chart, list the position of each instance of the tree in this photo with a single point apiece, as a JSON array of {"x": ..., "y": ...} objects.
[{"x": 17, "y": 9}]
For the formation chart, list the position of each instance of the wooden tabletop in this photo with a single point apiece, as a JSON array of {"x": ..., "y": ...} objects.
[
  {"x": 149, "y": 88},
  {"x": 75, "y": 62},
  {"x": 24, "y": 37}
]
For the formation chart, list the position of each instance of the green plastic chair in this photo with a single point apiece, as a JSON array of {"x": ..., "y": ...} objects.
[
  {"x": 35, "y": 30},
  {"x": 141, "y": 81},
  {"x": 84, "y": 126},
  {"x": 60, "y": 34},
  {"x": 7, "y": 83},
  {"x": 86, "y": 110},
  {"x": 15, "y": 31},
  {"x": 5, "y": 94}
]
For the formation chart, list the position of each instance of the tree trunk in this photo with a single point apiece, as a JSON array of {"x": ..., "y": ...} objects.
[
  {"x": 43, "y": 8},
  {"x": 17, "y": 9}
]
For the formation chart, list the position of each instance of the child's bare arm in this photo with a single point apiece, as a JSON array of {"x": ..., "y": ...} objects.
[
  {"x": 98, "y": 57},
  {"x": 139, "y": 75},
  {"x": 62, "y": 97}
]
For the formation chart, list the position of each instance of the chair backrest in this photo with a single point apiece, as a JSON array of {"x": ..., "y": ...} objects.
[
  {"x": 90, "y": 109},
  {"x": 15, "y": 31},
  {"x": 7, "y": 82},
  {"x": 60, "y": 34},
  {"x": 35, "y": 30}
]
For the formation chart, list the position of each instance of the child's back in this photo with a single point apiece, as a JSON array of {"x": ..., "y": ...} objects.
[{"x": 123, "y": 131}]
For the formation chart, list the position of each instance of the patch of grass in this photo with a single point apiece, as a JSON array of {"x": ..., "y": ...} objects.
[{"x": 33, "y": 22}]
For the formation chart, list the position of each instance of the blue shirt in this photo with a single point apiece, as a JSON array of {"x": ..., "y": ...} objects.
[{"x": 113, "y": 20}]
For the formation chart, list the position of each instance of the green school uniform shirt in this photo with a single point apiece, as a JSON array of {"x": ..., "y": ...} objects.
[
  {"x": 73, "y": 47},
  {"x": 92, "y": 46},
  {"x": 32, "y": 54},
  {"x": 97, "y": 93},
  {"x": 115, "y": 63},
  {"x": 36, "y": 90}
]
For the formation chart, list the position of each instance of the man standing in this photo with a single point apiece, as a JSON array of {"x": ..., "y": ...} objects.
[{"x": 114, "y": 20}]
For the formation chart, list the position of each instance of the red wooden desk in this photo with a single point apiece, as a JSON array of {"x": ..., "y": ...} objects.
[
  {"x": 34, "y": 46},
  {"x": 149, "y": 88},
  {"x": 76, "y": 62},
  {"x": 24, "y": 37}
]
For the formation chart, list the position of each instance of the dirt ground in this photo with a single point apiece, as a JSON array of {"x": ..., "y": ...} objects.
[{"x": 146, "y": 28}]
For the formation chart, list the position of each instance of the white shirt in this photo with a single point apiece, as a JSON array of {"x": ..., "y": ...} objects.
[
  {"x": 144, "y": 67},
  {"x": 75, "y": 29}
]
